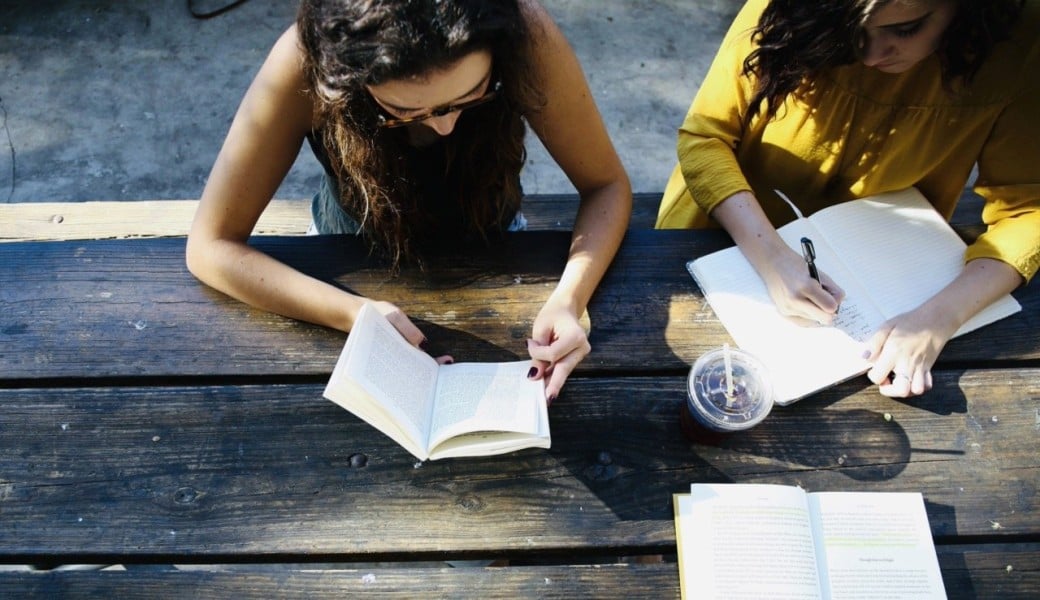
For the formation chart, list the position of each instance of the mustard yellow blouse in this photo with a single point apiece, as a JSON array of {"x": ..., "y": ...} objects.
[{"x": 861, "y": 132}]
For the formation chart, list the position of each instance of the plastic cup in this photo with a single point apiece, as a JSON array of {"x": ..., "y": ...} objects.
[{"x": 718, "y": 405}]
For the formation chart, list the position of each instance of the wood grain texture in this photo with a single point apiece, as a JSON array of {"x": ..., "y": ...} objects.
[
  {"x": 1007, "y": 572},
  {"x": 50, "y": 221},
  {"x": 136, "y": 219},
  {"x": 988, "y": 577},
  {"x": 549, "y": 582},
  {"x": 126, "y": 308},
  {"x": 146, "y": 418},
  {"x": 39, "y": 221},
  {"x": 277, "y": 472}
]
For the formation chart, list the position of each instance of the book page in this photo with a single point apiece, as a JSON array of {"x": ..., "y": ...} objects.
[
  {"x": 397, "y": 381},
  {"x": 902, "y": 249},
  {"x": 875, "y": 544},
  {"x": 800, "y": 359},
  {"x": 744, "y": 541},
  {"x": 486, "y": 397}
]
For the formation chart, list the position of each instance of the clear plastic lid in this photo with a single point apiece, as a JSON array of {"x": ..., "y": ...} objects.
[{"x": 732, "y": 403}]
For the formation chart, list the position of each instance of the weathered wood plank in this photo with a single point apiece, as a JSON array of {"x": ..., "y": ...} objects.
[
  {"x": 42, "y": 221},
  {"x": 968, "y": 573},
  {"x": 121, "y": 308},
  {"x": 170, "y": 218},
  {"x": 136, "y": 219},
  {"x": 275, "y": 471},
  {"x": 1008, "y": 572},
  {"x": 563, "y": 582}
]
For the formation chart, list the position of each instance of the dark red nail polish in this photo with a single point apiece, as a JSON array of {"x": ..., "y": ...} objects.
[
  {"x": 550, "y": 400},
  {"x": 532, "y": 372}
]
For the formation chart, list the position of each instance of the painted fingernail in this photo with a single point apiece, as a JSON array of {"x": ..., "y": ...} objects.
[
  {"x": 550, "y": 400},
  {"x": 866, "y": 354},
  {"x": 449, "y": 361},
  {"x": 424, "y": 344},
  {"x": 532, "y": 372}
]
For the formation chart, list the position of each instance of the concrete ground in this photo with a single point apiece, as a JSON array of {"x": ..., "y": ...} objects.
[{"x": 116, "y": 100}]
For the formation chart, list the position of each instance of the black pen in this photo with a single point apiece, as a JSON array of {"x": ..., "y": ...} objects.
[{"x": 810, "y": 258}]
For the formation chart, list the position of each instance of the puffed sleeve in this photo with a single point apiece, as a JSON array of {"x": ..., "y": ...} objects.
[
  {"x": 1009, "y": 177},
  {"x": 714, "y": 124}
]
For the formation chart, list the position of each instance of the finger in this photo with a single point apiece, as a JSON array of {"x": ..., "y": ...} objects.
[
  {"x": 822, "y": 298},
  {"x": 921, "y": 382},
  {"x": 550, "y": 353},
  {"x": 832, "y": 288},
  {"x": 807, "y": 309},
  {"x": 872, "y": 353},
  {"x": 538, "y": 365},
  {"x": 561, "y": 370},
  {"x": 447, "y": 359},
  {"x": 880, "y": 372},
  {"x": 406, "y": 328},
  {"x": 540, "y": 352},
  {"x": 928, "y": 382},
  {"x": 897, "y": 385}
]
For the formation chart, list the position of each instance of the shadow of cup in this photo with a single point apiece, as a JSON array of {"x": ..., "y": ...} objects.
[{"x": 859, "y": 443}]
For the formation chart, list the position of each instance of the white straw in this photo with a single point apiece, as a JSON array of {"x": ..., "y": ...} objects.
[{"x": 729, "y": 370}]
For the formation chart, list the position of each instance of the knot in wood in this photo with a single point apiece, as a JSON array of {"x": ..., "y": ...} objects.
[
  {"x": 358, "y": 461},
  {"x": 470, "y": 503},
  {"x": 57, "y": 219},
  {"x": 604, "y": 458},
  {"x": 185, "y": 495},
  {"x": 601, "y": 472}
]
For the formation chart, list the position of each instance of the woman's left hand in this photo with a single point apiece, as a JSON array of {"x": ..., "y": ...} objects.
[
  {"x": 904, "y": 350},
  {"x": 558, "y": 343}
]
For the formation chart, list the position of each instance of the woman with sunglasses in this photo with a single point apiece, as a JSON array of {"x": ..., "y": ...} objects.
[
  {"x": 837, "y": 100},
  {"x": 417, "y": 110}
]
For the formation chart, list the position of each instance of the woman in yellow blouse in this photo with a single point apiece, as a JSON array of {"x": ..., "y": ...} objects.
[{"x": 832, "y": 101}]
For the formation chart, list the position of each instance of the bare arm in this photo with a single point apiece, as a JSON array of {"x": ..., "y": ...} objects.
[
  {"x": 570, "y": 127},
  {"x": 782, "y": 269},
  {"x": 265, "y": 137}
]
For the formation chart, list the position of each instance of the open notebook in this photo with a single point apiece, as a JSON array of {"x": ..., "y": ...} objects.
[{"x": 889, "y": 253}]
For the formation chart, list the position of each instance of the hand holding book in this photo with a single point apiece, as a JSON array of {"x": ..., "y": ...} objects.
[{"x": 433, "y": 410}]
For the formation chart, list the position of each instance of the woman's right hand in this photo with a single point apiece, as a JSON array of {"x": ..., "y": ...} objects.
[{"x": 797, "y": 295}]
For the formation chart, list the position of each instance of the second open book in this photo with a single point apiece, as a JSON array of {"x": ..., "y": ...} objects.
[
  {"x": 890, "y": 253},
  {"x": 777, "y": 541},
  {"x": 436, "y": 411}
]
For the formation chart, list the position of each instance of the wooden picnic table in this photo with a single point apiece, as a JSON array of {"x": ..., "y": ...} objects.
[{"x": 149, "y": 421}]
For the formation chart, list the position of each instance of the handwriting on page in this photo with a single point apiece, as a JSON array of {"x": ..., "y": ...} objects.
[{"x": 854, "y": 321}]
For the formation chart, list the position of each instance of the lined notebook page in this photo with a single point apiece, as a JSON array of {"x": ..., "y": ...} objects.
[{"x": 898, "y": 246}]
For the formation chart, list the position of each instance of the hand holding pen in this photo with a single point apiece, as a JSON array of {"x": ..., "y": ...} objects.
[{"x": 825, "y": 295}]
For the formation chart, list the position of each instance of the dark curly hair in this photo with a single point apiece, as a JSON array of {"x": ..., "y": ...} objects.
[
  {"x": 349, "y": 44},
  {"x": 795, "y": 40}
]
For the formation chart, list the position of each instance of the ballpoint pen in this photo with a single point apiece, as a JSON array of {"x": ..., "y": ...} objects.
[{"x": 810, "y": 258}]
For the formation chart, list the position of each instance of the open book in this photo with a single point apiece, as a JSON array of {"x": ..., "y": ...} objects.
[
  {"x": 890, "y": 253},
  {"x": 776, "y": 541},
  {"x": 436, "y": 411}
]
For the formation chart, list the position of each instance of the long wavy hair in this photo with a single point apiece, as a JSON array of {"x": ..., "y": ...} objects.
[
  {"x": 349, "y": 44},
  {"x": 796, "y": 40}
]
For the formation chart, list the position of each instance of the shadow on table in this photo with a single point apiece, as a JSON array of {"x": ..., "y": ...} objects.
[{"x": 635, "y": 459}]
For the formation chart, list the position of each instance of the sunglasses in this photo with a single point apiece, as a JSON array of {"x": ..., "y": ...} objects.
[{"x": 391, "y": 122}]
